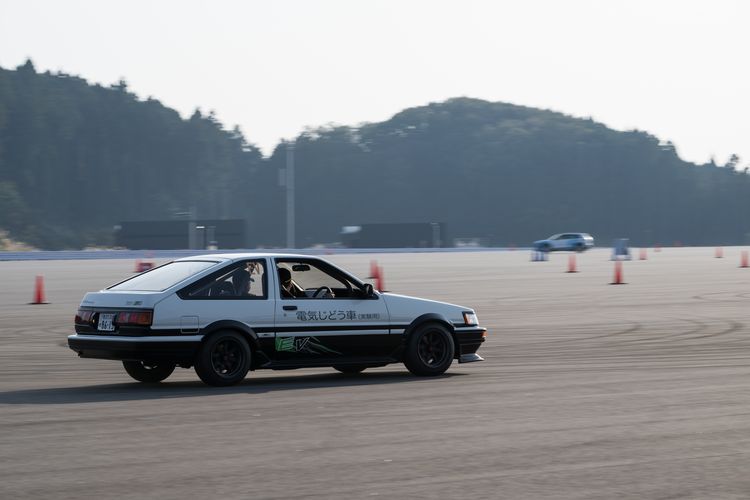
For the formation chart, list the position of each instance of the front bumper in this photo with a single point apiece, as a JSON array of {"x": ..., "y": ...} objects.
[
  {"x": 178, "y": 349},
  {"x": 468, "y": 340}
]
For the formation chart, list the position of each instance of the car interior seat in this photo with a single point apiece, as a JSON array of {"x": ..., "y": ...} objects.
[{"x": 223, "y": 288}]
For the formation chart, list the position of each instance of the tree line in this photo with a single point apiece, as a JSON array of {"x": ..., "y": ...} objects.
[{"x": 76, "y": 159}]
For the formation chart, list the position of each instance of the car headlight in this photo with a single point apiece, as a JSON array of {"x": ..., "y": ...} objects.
[{"x": 470, "y": 318}]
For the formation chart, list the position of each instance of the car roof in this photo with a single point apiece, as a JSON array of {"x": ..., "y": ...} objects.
[{"x": 245, "y": 255}]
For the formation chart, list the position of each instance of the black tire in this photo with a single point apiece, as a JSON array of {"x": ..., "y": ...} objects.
[
  {"x": 350, "y": 369},
  {"x": 580, "y": 248},
  {"x": 429, "y": 350},
  {"x": 147, "y": 372},
  {"x": 546, "y": 248},
  {"x": 223, "y": 359}
]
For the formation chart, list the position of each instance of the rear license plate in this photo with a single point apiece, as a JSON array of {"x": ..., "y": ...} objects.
[{"x": 106, "y": 322}]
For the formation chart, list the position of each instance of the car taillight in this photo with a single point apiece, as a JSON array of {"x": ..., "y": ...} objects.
[
  {"x": 138, "y": 318},
  {"x": 83, "y": 317}
]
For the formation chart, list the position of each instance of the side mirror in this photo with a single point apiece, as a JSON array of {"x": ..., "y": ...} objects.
[{"x": 367, "y": 290}]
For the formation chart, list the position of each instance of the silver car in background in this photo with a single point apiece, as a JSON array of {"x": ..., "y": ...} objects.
[{"x": 577, "y": 242}]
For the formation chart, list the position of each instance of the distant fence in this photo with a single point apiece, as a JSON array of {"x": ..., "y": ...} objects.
[{"x": 175, "y": 254}]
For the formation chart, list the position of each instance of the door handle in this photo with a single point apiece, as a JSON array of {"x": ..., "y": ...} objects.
[{"x": 290, "y": 308}]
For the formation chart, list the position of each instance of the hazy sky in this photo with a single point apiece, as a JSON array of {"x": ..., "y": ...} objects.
[{"x": 677, "y": 69}]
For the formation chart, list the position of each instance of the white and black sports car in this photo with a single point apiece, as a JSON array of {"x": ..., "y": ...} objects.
[{"x": 229, "y": 313}]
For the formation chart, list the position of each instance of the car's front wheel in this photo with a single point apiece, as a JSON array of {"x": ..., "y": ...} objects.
[
  {"x": 224, "y": 359},
  {"x": 429, "y": 350},
  {"x": 148, "y": 372}
]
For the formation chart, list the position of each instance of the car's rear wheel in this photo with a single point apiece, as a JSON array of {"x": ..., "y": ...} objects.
[
  {"x": 429, "y": 350},
  {"x": 224, "y": 359},
  {"x": 350, "y": 369},
  {"x": 148, "y": 372}
]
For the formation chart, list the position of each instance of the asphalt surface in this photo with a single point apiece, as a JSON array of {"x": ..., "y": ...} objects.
[{"x": 588, "y": 391}]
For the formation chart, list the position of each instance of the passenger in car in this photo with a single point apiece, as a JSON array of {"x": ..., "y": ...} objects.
[{"x": 241, "y": 280}]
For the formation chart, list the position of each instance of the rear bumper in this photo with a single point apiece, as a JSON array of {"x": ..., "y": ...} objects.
[{"x": 178, "y": 349}]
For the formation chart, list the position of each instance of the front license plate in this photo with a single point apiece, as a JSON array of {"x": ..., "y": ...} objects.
[{"x": 106, "y": 322}]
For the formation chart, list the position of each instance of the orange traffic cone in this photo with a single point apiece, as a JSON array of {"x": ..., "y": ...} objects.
[
  {"x": 643, "y": 255},
  {"x": 744, "y": 259},
  {"x": 379, "y": 279},
  {"x": 39, "y": 291},
  {"x": 572, "y": 264},
  {"x": 143, "y": 265},
  {"x": 376, "y": 273},
  {"x": 719, "y": 253},
  {"x": 618, "y": 280}
]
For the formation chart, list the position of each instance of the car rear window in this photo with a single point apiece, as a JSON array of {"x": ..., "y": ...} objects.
[{"x": 164, "y": 277}]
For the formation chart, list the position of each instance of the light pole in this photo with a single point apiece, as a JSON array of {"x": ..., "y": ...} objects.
[
  {"x": 202, "y": 228},
  {"x": 290, "y": 195}
]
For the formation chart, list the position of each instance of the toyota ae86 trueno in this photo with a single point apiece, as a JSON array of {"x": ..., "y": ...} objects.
[{"x": 227, "y": 314}]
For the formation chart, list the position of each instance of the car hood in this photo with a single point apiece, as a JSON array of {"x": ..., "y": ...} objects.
[
  {"x": 404, "y": 309},
  {"x": 146, "y": 300}
]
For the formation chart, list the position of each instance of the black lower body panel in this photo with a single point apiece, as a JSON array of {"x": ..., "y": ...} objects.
[
  {"x": 182, "y": 351},
  {"x": 290, "y": 364}
]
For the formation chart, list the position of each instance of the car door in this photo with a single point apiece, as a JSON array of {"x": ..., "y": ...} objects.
[
  {"x": 554, "y": 241},
  {"x": 563, "y": 242},
  {"x": 317, "y": 325}
]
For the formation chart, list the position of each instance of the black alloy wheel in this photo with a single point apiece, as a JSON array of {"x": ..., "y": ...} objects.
[
  {"x": 148, "y": 372},
  {"x": 227, "y": 357},
  {"x": 430, "y": 350},
  {"x": 224, "y": 359}
]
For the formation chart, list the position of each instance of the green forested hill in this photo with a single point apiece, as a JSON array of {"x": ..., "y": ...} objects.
[
  {"x": 514, "y": 174},
  {"x": 75, "y": 159}
]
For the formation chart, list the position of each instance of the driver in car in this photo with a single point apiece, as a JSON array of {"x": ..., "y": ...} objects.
[{"x": 289, "y": 290}]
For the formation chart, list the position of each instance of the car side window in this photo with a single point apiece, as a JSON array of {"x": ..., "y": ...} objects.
[
  {"x": 307, "y": 280},
  {"x": 242, "y": 280}
]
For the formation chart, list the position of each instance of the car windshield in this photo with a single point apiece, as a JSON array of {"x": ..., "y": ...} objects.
[{"x": 164, "y": 277}]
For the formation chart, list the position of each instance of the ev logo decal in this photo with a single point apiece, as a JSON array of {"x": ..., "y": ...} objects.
[{"x": 308, "y": 345}]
